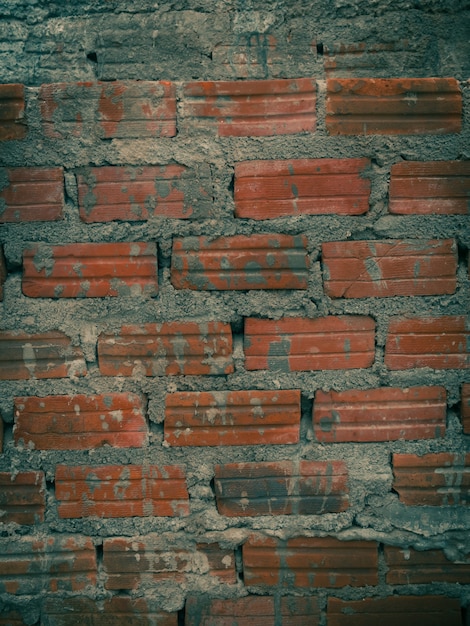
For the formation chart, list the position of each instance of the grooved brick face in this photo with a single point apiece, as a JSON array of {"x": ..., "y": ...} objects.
[
  {"x": 383, "y": 414},
  {"x": 31, "y": 194},
  {"x": 113, "y": 193},
  {"x": 361, "y": 269},
  {"x": 407, "y": 566},
  {"x": 437, "y": 342},
  {"x": 167, "y": 349},
  {"x": 240, "y": 262},
  {"x": 232, "y": 418},
  {"x": 433, "y": 187},
  {"x": 92, "y": 270},
  {"x": 465, "y": 408},
  {"x": 281, "y": 488},
  {"x": 252, "y": 107},
  {"x": 22, "y": 497},
  {"x": 270, "y": 189},
  {"x": 12, "y": 112},
  {"x": 120, "y": 109},
  {"x": 433, "y": 479},
  {"x": 393, "y": 106},
  {"x": 121, "y": 491},
  {"x": 295, "y": 344},
  {"x": 80, "y": 422}
]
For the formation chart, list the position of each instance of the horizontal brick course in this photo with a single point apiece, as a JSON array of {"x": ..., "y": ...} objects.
[
  {"x": 31, "y": 194},
  {"x": 407, "y": 566},
  {"x": 12, "y": 105},
  {"x": 22, "y": 497},
  {"x": 465, "y": 408}
]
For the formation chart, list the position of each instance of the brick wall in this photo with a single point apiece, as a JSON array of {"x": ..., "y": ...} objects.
[{"x": 234, "y": 295}]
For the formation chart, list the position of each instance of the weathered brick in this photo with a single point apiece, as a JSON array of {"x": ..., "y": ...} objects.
[
  {"x": 281, "y": 488},
  {"x": 251, "y": 55},
  {"x": 270, "y": 189},
  {"x": 252, "y": 107},
  {"x": 296, "y": 343},
  {"x": 465, "y": 408},
  {"x": 12, "y": 617},
  {"x": 232, "y": 418},
  {"x": 439, "y": 187},
  {"x": 167, "y": 349},
  {"x": 393, "y": 610},
  {"x": 108, "y": 110},
  {"x": 91, "y": 270},
  {"x": 46, "y": 355},
  {"x": 37, "y": 564},
  {"x": 407, "y": 566},
  {"x": 362, "y": 269},
  {"x": 3, "y": 272},
  {"x": 383, "y": 414},
  {"x": 121, "y": 491},
  {"x": 31, "y": 194},
  {"x": 22, "y": 497},
  {"x": 240, "y": 262},
  {"x": 221, "y": 562},
  {"x": 80, "y": 422},
  {"x": 12, "y": 125},
  {"x": 439, "y": 479},
  {"x": 250, "y": 610},
  {"x": 309, "y": 562},
  {"x": 113, "y": 193},
  {"x": 393, "y": 106},
  {"x": 437, "y": 342}
]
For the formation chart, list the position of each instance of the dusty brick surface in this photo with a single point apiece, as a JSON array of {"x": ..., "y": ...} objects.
[
  {"x": 31, "y": 194},
  {"x": 22, "y": 497},
  {"x": 12, "y": 103}
]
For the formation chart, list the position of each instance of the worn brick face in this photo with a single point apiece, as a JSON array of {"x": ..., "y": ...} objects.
[
  {"x": 465, "y": 408},
  {"x": 3, "y": 272},
  {"x": 12, "y": 104},
  {"x": 407, "y": 566},
  {"x": 31, "y": 194},
  {"x": 22, "y": 497}
]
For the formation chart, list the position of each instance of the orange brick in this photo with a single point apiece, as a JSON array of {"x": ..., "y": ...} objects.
[
  {"x": 12, "y": 105},
  {"x": 31, "y": 194},
  {"x": 407, "y": 566},
  {"x": 22, "y": 497}
]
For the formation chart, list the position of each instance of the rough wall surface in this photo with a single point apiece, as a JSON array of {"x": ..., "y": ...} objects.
[{"x": 234, "y": 295}]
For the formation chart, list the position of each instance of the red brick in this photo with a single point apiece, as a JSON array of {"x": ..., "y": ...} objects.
[
  {"x": 37, "y": 564},
  {"x": 3, "y": 272},
  {"x": 252, "y": 107},
  {"x": 465, "y": 408},
  {"x": 121, "y": 491},
  {"x": 221, "y": 562},
  {"x": 167, "y": 349},
  {"x": 31, "y": 194},
  {"x": 12, "y": 617},
  {"x": 22, "y": 497},
  {"x": 437, "y": 342},
  {"x": 393, "y": 610},
  {"x": 364, "y": 269},
  {"x": 251, "y": 610},
  {"x": 433, "y": 479},
  {"x": 92, "y": 270},
  {"x": 232, "y": 418},
  {"x": 281, "y": 488},
  {"x": 383, "y": 414},
  {"x": 393, "y": 106},
  {"x": 46, "y": 355},
  {"x": 309, "y": 562},
  {"x": 240, "y": 262},
  {"x": 138, "y": 193},
  {"x": 407, "y": 566},
  {"x": 270, "y": 189},
  {"x": 440, "y": 187},
  {"x": 296, "y": 343},
  {"x": 12, "y": 104},
  {"x": 80, "y": 422},
  {"x": 108, "y": 110}
]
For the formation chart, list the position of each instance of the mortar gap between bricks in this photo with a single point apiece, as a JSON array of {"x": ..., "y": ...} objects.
[
  {"x": 306, "y": 412},
  {"x": 181, "y": 616},
  {"x": 462, "y": 254},
  {"x": 99, "y": 553},
  {"x": 239, "y": 563}
]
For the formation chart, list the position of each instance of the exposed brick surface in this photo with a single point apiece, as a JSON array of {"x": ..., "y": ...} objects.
[
  {"x": 171, "y": 348},
  {"x": 439, "y": 187},
  {"x": 407, "y": 567},
  {"x": 361, "y": 269},
  {"x": 31, "y": 194},
  {"x": 254, "y": 262},
  {"x": 383, "y": 414},
  {"x": 113, "y": 193},
  {"x": 232, "y": 418},
  {"x": 256, "y": 108},
  {"x": 296, "y": 343},
  {"x": 396, "y": 106},
  {"x": 433, "y": 479},
  {"x": 438, "y": 342},
  {"x": 269, "y": 189},
  {"x": 251, "y": 55},
  {"x": 12, "y": 106},
  {"x": 221, "y": 562},
  {"x": 281, "y": 488},
  {"x": 22, "y": 497},
  {"x": 3, "y": 272},
  {"x": 11, "y": 618},
  {"x": 309, "y": 562},
  {"x": 465, "y": 408},
  {"x": 45, "y": 355},
  {"x": 80, "y": 422},
  {"x": 92, "y": 270}
]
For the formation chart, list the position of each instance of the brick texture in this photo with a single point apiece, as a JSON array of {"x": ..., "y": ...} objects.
[
  {"x": 269, "y": 189},
  {"x": 255, "y": 262},
  {"x": 465, "y": 408},
  {"x": 3, "y": 272},
  {"x": 31, "y": 194},
  {"x": 408, "y": 567},
  {"x": 92, "y": 270},
  {"x": 281, "y": 488},
  {"x": 382, "y": 414},
  {"x": 22, "y": 497},
  {"x": 293, "y": 344},
  {"x": 12, "y": 104}
]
